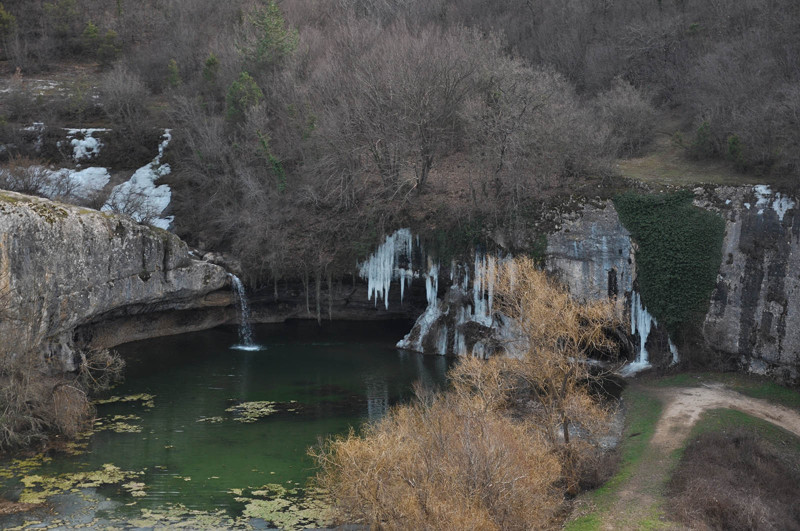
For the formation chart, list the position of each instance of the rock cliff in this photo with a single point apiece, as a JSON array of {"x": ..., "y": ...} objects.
[
  {"x": 753, "y": 319},
  {"x": 754, "y": 314},
  {"x": 64, "y": 267}
]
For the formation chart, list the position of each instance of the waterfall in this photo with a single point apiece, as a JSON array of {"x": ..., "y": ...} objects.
[{"x": 245, "y": 331}]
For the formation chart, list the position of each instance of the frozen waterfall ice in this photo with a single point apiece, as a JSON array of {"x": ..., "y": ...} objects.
[
  {"x": 641, "y": 322},
  {"x": 384, "y": 265},
  {"x": 450, "y": 316}
]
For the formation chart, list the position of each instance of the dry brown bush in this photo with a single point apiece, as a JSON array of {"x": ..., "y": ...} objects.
[
  {"x": 35, "y": 402},
  {"x": 443, "y": 463},
  {"x": 500, "y": 448}
]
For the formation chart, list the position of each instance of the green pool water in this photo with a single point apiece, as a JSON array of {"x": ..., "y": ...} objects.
[{"x": 190, "y": 452}]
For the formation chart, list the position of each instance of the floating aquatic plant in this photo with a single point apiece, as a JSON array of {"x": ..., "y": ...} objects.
[
  {"x": 210, "y": 420},
  {"x": 118, "y": 424},
  {"x": 38, "y": 488},
  {"x": 147, "y": 400},
  {"x": 252, "y": 411},
  {"x": 286, "y": 508}
]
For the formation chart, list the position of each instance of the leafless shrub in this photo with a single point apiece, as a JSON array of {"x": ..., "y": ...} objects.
[
  {"x": 30, "y": 176},
  {"x": 25, "y": 176},
  {"x": 442, "y": 463},
  {"x": 34, "y": 403},
  {"x": 99, "y": 369},
  {"x": 132, "y": 202},
  {"x": 124, "y": 96},
  {"x": 629, "y": 115},
  {"x": 501, "y": 447}
]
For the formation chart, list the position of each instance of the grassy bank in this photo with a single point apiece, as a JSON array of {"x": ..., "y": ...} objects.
[{"x": 642, "y": 413}]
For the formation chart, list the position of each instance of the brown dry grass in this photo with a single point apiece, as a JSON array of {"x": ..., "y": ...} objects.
[
  {"x": 735, "y": 481},
  {"x": 666, "y": 163}
]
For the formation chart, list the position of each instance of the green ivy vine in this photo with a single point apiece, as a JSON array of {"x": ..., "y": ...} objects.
[{"x": 680, "y": 250}]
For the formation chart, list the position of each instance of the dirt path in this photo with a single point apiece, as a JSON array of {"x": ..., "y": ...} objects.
[
  {"x": 683, "y": 407},
  {"x": 639, "y": 498}
]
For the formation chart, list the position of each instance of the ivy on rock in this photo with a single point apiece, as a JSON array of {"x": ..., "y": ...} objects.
[{"x": 680, "y": 250}]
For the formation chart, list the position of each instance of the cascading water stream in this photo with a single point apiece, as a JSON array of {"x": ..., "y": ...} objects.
[{"x": 245, "y": 330}]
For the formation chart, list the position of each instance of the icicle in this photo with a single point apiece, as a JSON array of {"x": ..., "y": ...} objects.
[
  {"x": 483, "y": 288},
  {"x": 641, "y": 322},
  {"x": 441, "y": 342},
  {"x": 477, "y": 287},
  {"x": 490, "y": 278},
  {"x": 382, "y": 267},
  {"x": 432, "y": 284}
]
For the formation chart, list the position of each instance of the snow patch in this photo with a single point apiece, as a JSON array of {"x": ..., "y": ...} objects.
[
  {"x": 764, "y": 195},
  {"x": 140, "y": 197},
  {"x": 87, "y": 147},
  {"x": 88, "y": 181}
]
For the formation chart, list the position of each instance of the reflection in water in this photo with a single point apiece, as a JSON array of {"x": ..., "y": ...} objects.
[{"x": 377, "y": 398}]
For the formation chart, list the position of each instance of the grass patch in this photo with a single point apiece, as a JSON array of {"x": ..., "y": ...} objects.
[
  {"x": 643, "y": 412},
  {"x": 737, "y": 472},
  {"x": 667, "y": 164},
  {"x": 729, "y": 420}
]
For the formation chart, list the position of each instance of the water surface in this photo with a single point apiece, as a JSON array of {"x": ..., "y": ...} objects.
[{"x": 193, "y": 453}]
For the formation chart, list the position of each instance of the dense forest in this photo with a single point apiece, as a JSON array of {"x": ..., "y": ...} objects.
[{"x": 304, "y": 130}]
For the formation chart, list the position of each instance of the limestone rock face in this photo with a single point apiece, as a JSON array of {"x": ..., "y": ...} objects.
[
  {"x": 754, "y": 315},
  {"x": 63, "y": 266},
  {"x": 592, "y": 253},
  {"x": 753, "y": 319}
]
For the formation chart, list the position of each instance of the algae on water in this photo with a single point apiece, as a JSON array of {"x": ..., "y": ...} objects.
[
  {"x": 38, "y": 488},
  {"x": 252, "y": 411},
  {"x": 147, "y": 400}
]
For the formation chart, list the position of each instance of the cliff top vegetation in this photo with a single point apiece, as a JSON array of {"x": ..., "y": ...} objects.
[{"x": 304, "y": 128}]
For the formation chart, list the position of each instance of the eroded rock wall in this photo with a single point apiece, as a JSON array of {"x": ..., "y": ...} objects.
[
  {"x": 753, "y": 319},
  {"x": 754, "y": 314},
  {"x": 592, "y": 253},
  {"x": 62, "y": 267}
]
